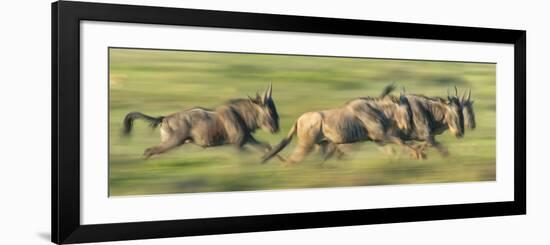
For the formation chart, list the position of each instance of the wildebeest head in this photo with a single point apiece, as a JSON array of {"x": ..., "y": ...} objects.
[
  {"x": 268, "y": 118},
  {"x": 454, "y": 117},
  {"x": 468, "y": 111}
]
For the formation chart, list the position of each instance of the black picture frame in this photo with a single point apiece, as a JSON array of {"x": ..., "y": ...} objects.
[{"x": 66, "y": 17}]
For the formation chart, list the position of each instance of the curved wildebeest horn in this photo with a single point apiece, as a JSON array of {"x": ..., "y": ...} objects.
[
  {"x": 267, "y": 94},
  {"x": 463, "y": 99},
  {"x": 469, "y": 93},
  {"x": 456, "y": 92}
]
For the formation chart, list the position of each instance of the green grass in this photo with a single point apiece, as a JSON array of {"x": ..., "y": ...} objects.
[{"x": 161, "y": 82}]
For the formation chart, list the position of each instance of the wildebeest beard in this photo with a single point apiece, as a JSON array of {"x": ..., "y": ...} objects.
[{"x": 468, "y": 110}]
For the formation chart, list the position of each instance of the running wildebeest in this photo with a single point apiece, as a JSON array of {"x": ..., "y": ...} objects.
[
  {"x": 231, "y": 123},
  {"x": 431, "y": 116},
  {"x": 362, "y": 119}
]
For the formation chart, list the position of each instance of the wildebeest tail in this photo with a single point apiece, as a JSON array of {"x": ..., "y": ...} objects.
[
  {"x": 279, "y": 147},
  {"x": 130, "y": 117}
]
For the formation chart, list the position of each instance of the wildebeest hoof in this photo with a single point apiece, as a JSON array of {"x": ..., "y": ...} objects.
[
  {"x": 414, "y": 155},
  {"x": 418, "y": 154},
  {"x": 288, "y": 163},
  {"x": 423, "y": 156},
  {"x": 148, "y": 152}
]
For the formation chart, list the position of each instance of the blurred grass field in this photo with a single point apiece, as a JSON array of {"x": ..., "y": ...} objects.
[{"x": 158, "y": 82}]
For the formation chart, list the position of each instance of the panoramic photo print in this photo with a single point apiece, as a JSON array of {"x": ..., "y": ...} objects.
[{"x": 200, "y": 121}]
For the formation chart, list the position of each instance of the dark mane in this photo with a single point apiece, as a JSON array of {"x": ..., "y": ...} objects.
[
  {"x": 390, "y": 88},
  {"x": 375, "y": 99},
  {"x": 198, "y": 107},
  {"x": 230, "y": 102},
  {"x": 243, "y": 110},
  {"x": 434, "y": 98},
  {"x": 236, "y": 101},
  {"x": 453, "y": 99}
]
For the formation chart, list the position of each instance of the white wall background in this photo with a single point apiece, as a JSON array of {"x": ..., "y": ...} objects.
[{"x": 25, "y": 120}]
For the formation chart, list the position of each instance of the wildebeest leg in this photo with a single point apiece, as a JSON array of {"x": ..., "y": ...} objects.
[
  {"x": 328, "y": 149},
  {"x": 340, "y": 153},
  {"x": 388, "y": 150},
  {"x": 379, "y": 134},
  {"x": 262, "y": 146},
  {"x": 423, "y": 146},
  {"x": 440, "y": 148},
  {"x": 170, "y": 139},
  {"x": 299, "y": 153},
  {"x": 341, "y": 149},
  {"x": 415, "y": 151},
  {"x": 308, "y": 133},
  {"x": 162, "y": 147}
]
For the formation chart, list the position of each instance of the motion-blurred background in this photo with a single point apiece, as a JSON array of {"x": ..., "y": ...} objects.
[{"x": 158, "y": 82}]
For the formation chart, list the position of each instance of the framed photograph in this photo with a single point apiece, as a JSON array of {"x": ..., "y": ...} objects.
[{"x": 174, "y": 122}]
